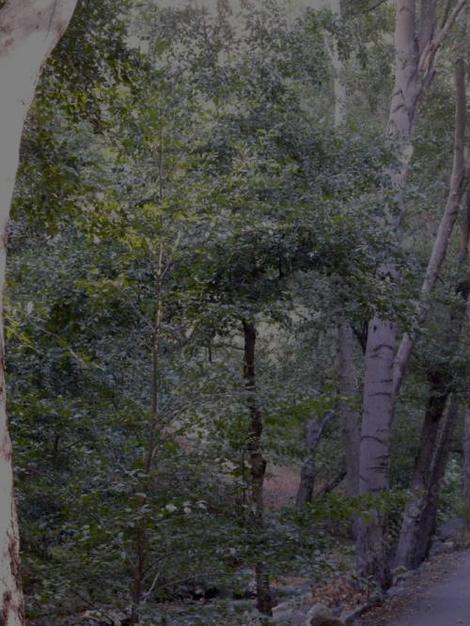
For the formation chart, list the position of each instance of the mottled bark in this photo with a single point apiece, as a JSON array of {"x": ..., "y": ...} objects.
[
  {"x": 417, "y": 43},
  {"x": 29, "y": 30},
  {"x": 257, "y": 464},
  {"x": 374, "y": 457},
  {"x": 441, "y": 242},
  {"x": 378, "y": 400},
  {"x": 420, "y": 511}
]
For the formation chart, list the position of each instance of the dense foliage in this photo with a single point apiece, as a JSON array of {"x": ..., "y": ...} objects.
[{"x": 182, "y": 173}]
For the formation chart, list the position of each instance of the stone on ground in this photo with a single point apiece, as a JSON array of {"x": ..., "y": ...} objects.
[{"x": 320, "y": 615}]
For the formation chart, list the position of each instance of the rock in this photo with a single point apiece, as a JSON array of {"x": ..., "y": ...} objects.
[
  {"x": 402, "y": 576},
  {"x": 436, "y": 547},
  {"x": 451, "y": 529},
  {"x": 293, "y": 612},
  {"x": 286, "y": 591},
  {"x": 320, "y": 615},
  {"x": 289, "y": 617},
  {"x": 397, "y": 591},
  {"x": 349, "y": 617},
  {"x": 441, "y": 547}
]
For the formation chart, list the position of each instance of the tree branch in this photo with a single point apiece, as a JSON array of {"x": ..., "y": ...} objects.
[{"x": 446, "y": 225}]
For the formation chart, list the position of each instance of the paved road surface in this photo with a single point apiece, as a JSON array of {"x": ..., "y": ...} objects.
[{"x": 444, "y": 603}]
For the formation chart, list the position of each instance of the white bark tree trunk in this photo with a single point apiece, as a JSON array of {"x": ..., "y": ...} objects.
[
  {"x": 418, "y": 514},
  {"x": 441, "y": 242},
  {"x": 416, "y": 48},
  {"x": 29, "y": 30}
]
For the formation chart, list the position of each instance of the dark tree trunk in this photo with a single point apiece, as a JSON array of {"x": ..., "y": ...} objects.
[
  {"x": 466, "y": 463},
  {"x": 257, "y": 464},
  {"x": 313, "y": 433},
  {"x": 419, "y": 518},
  {"x": 349, "y": 415}
]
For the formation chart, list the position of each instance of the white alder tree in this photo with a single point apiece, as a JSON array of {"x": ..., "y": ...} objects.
[
  {"x": 418, "y": 40},
  {"x": 29, "y": 31}
]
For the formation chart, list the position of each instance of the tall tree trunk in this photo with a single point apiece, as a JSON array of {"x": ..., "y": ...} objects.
[
  {"x": 257, "y": 464},
  {"x": 466, "y": 459},
  {"x": 345, "y": 336},
  {"x": 29, "y": 30},
  {"x": 416, "y": 47},
  {"x": 349, "y": 415},
  {"x": 139, "y": 568},
  {"x": 419, "y": 519},
  {"x": 446, "y": 226},
  {"x": 419, "y": 514},
  {"x": 441, "y": 457}
]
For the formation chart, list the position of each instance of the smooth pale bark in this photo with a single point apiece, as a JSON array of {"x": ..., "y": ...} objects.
[
  {"x": 29, "y": 30},
  {"x": 441, "y": 242},
  {"x": 416, "y": 48},
  {"x": 257, "y": 464},
  {"x": 420, "y": 511}
]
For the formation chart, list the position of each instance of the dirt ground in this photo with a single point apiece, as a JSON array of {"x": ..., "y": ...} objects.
[{"x": 438, "y": 594}]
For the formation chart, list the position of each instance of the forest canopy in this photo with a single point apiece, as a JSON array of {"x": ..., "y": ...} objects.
[{"x": 235, "y": 305}]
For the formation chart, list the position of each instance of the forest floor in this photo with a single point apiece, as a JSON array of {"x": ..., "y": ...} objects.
[{"x": 436, "y": 595}]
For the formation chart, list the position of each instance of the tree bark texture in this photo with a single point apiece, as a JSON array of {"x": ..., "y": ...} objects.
[
  {"x": 439, "y": 420},
  {"x": 466, "y": 453},
  {"x": 446, "y": 226},
  {"x": 416, "y": 48},
  {"x": 257, "y": 463},
  {"x": 29, "y": 30},
  {"x": 419, "y": 519}
]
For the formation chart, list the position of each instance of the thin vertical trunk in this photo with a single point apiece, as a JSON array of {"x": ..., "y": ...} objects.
[
  {"x": 438, "y": 469},
  {"x": 408, "y": 553},
  {"x": 446, "y": 226},
  {"x": 141, "y": 544},
  {"x": 314, "y": 431},
  {"x": 349, "y": 415},
  {"x": 466, "y": 462},
  {"x": 29, "y": 30},
  {"x": 140, "y": 566},
  {"x": 345, "y": 336},
  {"x": 307, "y": 472},
  {"x": 416, "y": 47},
  {"x": 257, "y": 464},
  {"x": 419, "y": 519}
]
